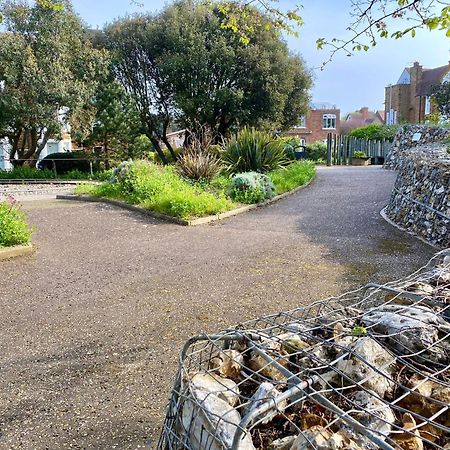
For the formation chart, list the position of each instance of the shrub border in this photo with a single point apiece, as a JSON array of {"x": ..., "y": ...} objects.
[
  {"x": 14, "y": 251},
  {"x": 189, "y": 223}
]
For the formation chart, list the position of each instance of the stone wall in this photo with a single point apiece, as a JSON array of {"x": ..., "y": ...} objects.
[
  {"x": 412, "y": 139},
  {"x": 420, "y": 201}
]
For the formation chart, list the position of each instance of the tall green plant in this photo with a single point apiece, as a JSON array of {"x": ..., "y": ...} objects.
[{"x": 254, "y": 151}]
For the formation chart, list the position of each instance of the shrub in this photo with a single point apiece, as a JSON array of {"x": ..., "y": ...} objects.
[
  {"x": 359, "y": 154},
  {"x": 160, "y": 189},
  {"x": 198, "y": 165},
  {"x": 251, "y": 187},
  {"x": 65, "y": 162},
  {"x": 375, "y": 132},
  {"x": 253, "y": 151},
  {"x": 13, "y": 228},
  {"x": 317, "y": 151},
  {"x": 295, "y": 175},
  {"x": 26, "y": 173}
]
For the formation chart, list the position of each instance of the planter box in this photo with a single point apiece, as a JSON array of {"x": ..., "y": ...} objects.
[{"x": 360, "y": 161}]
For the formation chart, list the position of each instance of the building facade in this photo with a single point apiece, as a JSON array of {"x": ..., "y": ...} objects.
[
  {"x": 409, "y": 100},
  {"x": 323, "y": 118}
]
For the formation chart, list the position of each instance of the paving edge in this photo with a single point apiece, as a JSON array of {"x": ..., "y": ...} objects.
[
  {"x": 194, "y": 222},
  {"x": 399, "y": 227},
  {"x": 17, "y": 250}
]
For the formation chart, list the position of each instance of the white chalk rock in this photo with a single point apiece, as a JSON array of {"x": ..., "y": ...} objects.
[
  {"x": 266, "y": 392},
  {"x": 365, "y": 353},
  {"x": 227, "y": 363},
  {"x": 210, "y": 422},
  {"x": 319, "y": 438},
  {"x": 224, "y": 388},
  {"x": 409, "y": 329},
  {"x": 283, "y": 443}
]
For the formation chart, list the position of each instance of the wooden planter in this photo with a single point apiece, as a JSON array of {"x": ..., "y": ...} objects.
[{"x": 360, "y": 161}]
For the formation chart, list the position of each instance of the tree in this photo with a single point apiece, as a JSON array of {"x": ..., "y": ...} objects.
[
  {"x": 116, "y": 124},
  {"x": 133, "y": 43},
  {"x": 47, "y": 73},
  {"x": 441, "y": 96},
  {"x": 219, "y": 81}
]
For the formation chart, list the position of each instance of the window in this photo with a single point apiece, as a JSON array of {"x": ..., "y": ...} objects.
[
  {"x": 329, "y": 121},
  {"x": 427, "y": 105},
  {"x": 302, "y": 141},
  {"x": 301, "y": 122}
]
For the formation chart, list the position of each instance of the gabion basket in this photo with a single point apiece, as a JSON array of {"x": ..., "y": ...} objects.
[{"x": 366, "y": 370}]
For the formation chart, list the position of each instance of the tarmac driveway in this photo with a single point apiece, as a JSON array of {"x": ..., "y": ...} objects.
[{"x": 94, "y": 320}]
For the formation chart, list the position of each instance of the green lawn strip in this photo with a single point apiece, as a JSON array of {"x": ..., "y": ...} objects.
[{"x": 293, "y": 176}]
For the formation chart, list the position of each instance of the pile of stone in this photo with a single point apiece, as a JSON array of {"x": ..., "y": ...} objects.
[
  {"x": 367, "y": 370},
  {"x": 431, "y": 141},
  {"x": 420, "y": 201}
]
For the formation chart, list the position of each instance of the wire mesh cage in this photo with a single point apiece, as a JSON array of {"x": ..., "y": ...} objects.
[{"x": 366, "y": 370}]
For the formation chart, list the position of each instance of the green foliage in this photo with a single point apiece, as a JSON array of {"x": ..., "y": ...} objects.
[
  {"x": 291, "y": 145},
  {"x": 13, "y": 228},
  {"x": 26, "y": 173},
  {"x": 294, "y": 175},
  {"x": 359, "y": 154},
  {"x": 198, "y": 165},
  {"x": 160, "y": 189},
  {"x": 317, "y": 151},
  {"x": 218, "y": 81},
  {"x": 48, "y": 72},
  {"x": 441, "y": 96},
  {"x": 65, "y": 162},
  {"x": 375, "y": 132},
  {"x": 253, "y": 151},
  {"x": 251, "y": 187}
]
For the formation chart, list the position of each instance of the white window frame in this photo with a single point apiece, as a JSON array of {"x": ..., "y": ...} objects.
[
  {"x": 325, "y": 124},
  {"x": 301, "y": 122},
  {"x": 427, "y": 105}
]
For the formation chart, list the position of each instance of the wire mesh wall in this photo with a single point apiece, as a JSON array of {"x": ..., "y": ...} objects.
[{"x": 367, "y": 370}]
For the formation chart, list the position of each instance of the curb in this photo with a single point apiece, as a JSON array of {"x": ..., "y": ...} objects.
[
  {"x": 399, "y": 227},
  {"x": 17, "y": 250},
  {"x": 188, "y": 223}
]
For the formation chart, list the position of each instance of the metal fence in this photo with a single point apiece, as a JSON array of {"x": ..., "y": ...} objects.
[
  {"x": 366, "y": 370},
  {"x": 341, "y": 149}
]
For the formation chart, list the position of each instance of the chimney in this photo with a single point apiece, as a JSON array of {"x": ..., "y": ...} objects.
[{"x": 364, "y": 112}]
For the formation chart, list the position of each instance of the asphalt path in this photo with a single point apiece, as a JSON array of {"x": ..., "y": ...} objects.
[{"x": 93, "y": 322}]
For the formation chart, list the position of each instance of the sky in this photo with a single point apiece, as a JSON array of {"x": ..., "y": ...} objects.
[{"x": 347, "y": 82}]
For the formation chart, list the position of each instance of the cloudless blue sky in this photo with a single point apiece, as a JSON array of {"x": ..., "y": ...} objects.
[{"x": 348, "y": 82}]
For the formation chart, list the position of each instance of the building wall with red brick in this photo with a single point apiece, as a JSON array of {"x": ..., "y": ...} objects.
[{"x": 314, "y": 129}]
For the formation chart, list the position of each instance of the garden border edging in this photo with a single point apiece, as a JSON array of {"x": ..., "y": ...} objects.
[
  {"x": 14, "y": 251},
  {"x": 193, "y": 222}
]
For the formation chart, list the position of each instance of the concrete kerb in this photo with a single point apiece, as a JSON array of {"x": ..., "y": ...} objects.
[
  {"x": 13, "y": 252},
  {"x": 193, "y": 222},
  {"x": 396, "y": 225}
]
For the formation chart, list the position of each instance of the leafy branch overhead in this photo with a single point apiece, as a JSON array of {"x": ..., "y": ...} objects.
[{"x": 371, "y": 20}]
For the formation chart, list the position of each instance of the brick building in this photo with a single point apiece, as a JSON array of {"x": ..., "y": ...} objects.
[
  {"x": 323, "y": 118},
  {"x": 408, "y": 101},
  {"x": 361, "y": 118}
]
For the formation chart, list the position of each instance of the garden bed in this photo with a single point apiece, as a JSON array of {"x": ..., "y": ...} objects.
[{"x": 159, "y": 192}]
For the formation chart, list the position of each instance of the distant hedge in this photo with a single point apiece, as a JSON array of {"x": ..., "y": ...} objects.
[{"x": 375, "y": 132}]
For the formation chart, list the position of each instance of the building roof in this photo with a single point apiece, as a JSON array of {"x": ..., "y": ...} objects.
[
  {"x": 430, "y": 78},
  {"x": 322, "y": 105},
  {"x": 365, "y": 117}
]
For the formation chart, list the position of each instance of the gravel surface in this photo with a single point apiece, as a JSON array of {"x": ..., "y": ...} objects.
[
  {"x": 30, "y": 191},
  {"x": 94, "y": 320}
]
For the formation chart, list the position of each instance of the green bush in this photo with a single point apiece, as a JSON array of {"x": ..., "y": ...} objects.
[
  {"x": 251, "y": 187},
  {"x": 65, "y": 162},
  {"x": 253, "y": 151},
  {"x": 198, "y": 165},
  {"x": 359, "y": 154},
  {"x": 13, "y": 228},
  {"x": 26, "y": 173},
  {"x": 375, "y": 132},
  {"x": 317, "y": 151},
  {"x": 160, "y": 189},
  {"x": 295, "y": 175}
]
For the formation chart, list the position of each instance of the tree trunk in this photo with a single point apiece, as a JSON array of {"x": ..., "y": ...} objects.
[{"x": 165, "y": 140}]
